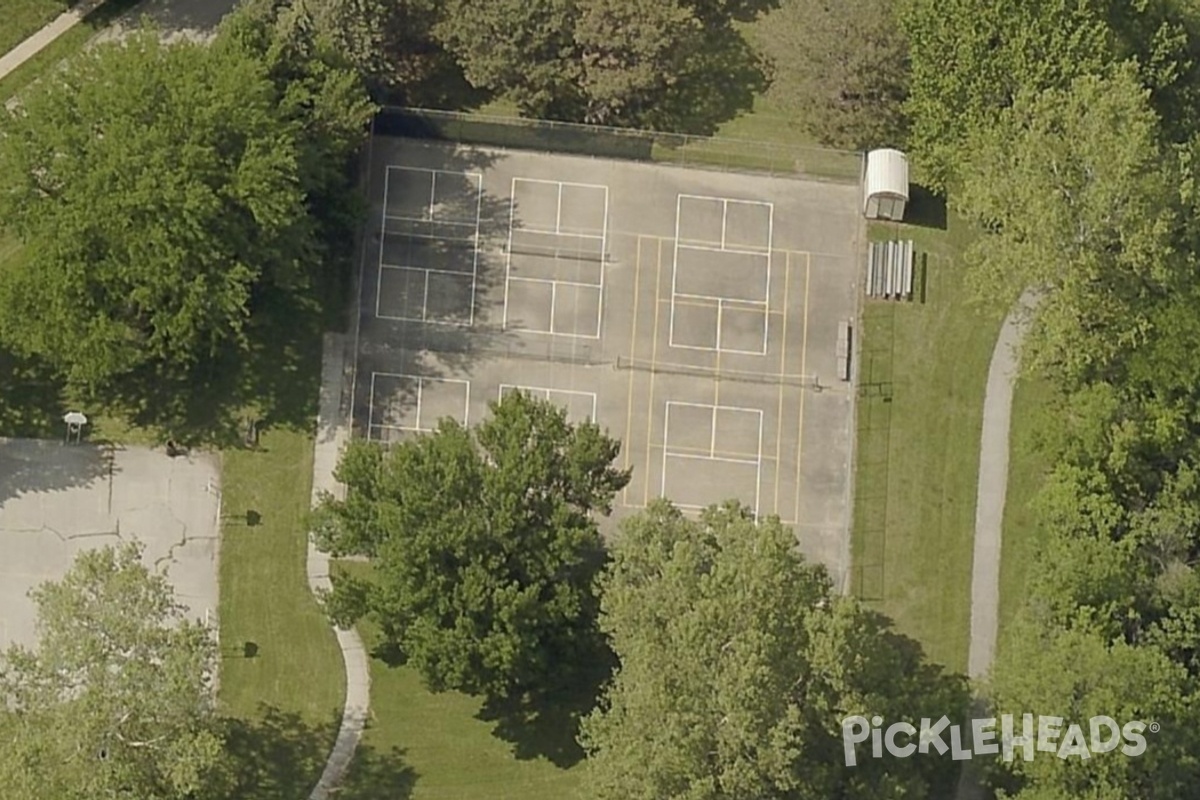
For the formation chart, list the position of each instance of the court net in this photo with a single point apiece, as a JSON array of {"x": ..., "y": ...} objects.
[
  {"x": 740, "y": 376},
  {"x": 559, "y": 246},
  {"x": 452, "y": 233}
]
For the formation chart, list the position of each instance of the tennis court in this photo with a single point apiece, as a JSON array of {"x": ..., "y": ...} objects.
[
  {"x": 693, "y": 314},
  {"x": 59, "y": 500}
]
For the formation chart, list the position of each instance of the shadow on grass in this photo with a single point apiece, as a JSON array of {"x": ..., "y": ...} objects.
[
  {"x": 280, "y": 756},
  {"x": 545, "y": 723},
  {"x": 31, "y": 400},
  {"x": 273, "y": 382},
  {"x": 925, "y": 209}
]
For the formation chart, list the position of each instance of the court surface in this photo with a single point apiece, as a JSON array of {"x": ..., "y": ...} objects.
[
  {"x": 693, "y": 314},
  {"x": 58, "y": 500}
]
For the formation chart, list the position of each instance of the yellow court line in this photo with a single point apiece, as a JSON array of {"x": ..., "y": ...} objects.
[
  {"x": 803, "y": 393},
  {"x": 787, "y": 278},
  {"x": 637, "y": 289},
  {"x": 653, "y": 362}
]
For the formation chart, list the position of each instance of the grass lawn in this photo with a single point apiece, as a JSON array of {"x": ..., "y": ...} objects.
[
  {"x": 64, "y": 46},
  {"x": 425, "y": 746},
  {"x": 923, "y": 372},
  {"x": 24, "y": 17},
  {"x": 1027, "y": 469},
  {"x": 281, "y": 670}
]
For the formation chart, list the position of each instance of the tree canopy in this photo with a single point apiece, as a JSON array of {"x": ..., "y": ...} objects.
[
  {"x": 840, "y": 68},
  {"x": 483, "y": 543},
  {"x": 154, "y": 187},
  {"x": 118, "y": 698},
  {"x": 1071, "y": 185},
  {"x": 738, "y": 664},
  {"x": 159, "y": 189},
  {"x": 972, "y": 59}
]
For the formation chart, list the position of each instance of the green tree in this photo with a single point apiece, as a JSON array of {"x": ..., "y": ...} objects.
[
  {"x": 971, "y": 59},
  {"x": 632, "y": 55},
  {"x": 118, "y": 699},
  {"x": 483, "y": 542},
  {"x": 389, "y": 42},
  {"x": 523, "y": 49},
  {"x": 155, "y": 187},
  {"x": 841, "y": 68},
  {"x": 1076, "y": 673},
  {"x": 738, "y": 664},
  {"x": 1077, "y": 197}
]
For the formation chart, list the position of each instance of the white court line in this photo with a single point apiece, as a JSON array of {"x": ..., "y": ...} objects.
[
  {"x": 758, "y": 471},
  {"x": 758, "y": 462},
  {"x": 770, "y": 243},
  {"x": 720, "y": 459},
  {"x": 509, "y": 278},
  {"x": 689, "y": 244},
  {"x": 512, "y": 211},
  {"x": 421, "y": 235},
  {"x": 382, "y": 232},
  {"x": 436, "y": 271},
  {"x": 476, "y": 178},
  {"x": 724, "y": 221},
  {"x": 524, "y": 279},
  {"x": 702, "y": 348},
  {"x": 558, "y": 213},
  {"x": 475, "y": 254},
  {"x": 552, "y": 182},
  {"x": 425, "y": 299},
  {"x": 572, "y": 234},
  {"x": 603, "y": 251},
  {"x": 548, "y": 392},
  {"x": 674, "y": 273},
  {"x": 371, "y": 405},
  {"x": 420, "y": 391},
  {"x": 694, "y": 244},
  {"x": 719, "y": 299},
  {"x": 421, "y": 382}
]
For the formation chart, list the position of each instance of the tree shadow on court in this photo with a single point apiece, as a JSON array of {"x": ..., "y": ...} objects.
[
  {"x": 280, "y": 756},
  {"x": 472, "y": 233},
  {"x": 35, "y": 466},
  {"x": 544, "y": 723}
]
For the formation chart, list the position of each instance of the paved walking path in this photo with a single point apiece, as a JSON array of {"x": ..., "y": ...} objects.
[
  {"x": 42, "y": 39},
  {"x": 989, "y": 506},
  {"x": 332, "y": 434}
]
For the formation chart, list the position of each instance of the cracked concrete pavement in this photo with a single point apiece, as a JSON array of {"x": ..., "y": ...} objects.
[{"x": 57, "y": 500}]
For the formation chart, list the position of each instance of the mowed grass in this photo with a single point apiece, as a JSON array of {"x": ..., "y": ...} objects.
[
  {"x": 1028, "y": 466},
  {"x": 22, "y": 18},
  {"x": 70, "y": 43},
  {"x": 922, "y": 377},
  {"x": 421, "y": 745},
  {"x": 280, "y": 659}
]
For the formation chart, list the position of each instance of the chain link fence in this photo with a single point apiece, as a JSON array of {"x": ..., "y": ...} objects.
[{"x": 707, "y": 152}]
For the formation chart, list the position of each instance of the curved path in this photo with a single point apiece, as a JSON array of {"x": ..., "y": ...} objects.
[
  {"x": 989, "y": 505},
  {"x": 332, "y": 434}
]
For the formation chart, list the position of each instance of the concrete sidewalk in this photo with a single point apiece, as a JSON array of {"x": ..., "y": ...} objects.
[
  {"x": 989, "y": 512},
  {"x": 43, "y": 38},
  {"x": 332, "y": 435}
]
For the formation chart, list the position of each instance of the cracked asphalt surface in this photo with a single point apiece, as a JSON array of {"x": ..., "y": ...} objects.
[{"x": 57, "y": 500}]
